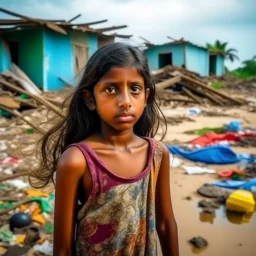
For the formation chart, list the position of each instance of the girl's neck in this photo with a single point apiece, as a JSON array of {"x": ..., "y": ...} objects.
[{"x": 118, "y": 140}]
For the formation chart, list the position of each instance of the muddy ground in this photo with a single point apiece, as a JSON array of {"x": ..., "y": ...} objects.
[{"x": 224, "y": 231}]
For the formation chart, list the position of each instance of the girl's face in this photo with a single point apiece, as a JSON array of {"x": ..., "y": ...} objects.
[{"x": 119, "y": 98}]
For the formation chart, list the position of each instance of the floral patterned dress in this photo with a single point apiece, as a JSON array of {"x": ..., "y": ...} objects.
[{"x": 119, "y": 216}]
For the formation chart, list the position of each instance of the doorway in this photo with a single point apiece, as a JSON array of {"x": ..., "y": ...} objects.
[
  {"x": 14, "y": 51},
  {"x": 165, "y": 59},
  {"x": 213, "y": 65}
]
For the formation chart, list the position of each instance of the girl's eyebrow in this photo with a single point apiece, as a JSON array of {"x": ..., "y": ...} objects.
[{"x": 119, "y": 82}]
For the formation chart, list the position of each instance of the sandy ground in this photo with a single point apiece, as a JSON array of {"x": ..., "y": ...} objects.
[{"x": 223, "y": 232}]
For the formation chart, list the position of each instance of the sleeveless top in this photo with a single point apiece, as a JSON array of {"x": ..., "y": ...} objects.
[{"x": 118, "y": 219}]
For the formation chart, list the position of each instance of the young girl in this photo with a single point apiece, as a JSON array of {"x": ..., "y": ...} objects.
[{"x": 112, "y": 177}]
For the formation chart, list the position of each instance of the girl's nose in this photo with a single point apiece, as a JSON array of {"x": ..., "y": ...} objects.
[{"x": 124, "y": 101}]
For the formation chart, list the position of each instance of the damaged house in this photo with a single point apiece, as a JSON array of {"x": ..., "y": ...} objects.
[
  {"x": 185, "y": 54},
  {"x": 50, "y": 52}
]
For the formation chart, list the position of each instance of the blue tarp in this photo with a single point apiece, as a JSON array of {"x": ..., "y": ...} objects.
[
  {"x": 210, "y": 155},
  {"x": 236, "y": 184}
]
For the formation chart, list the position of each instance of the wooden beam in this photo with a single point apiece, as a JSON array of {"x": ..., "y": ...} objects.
[
  {"x": 191, "y": 95},
  {"x": 56, "y": 28},
  {"x": 83, "y": 24},
  {"x": 9, "y": 102},
  {"x": 76, "y": 17},
  {"x": 41, "y": 22},
  {"x": 12, "y": 22},
  {"x": 110, "y": 28},
  {"x": 120, "y": 36},
  {"x": 214, "y": 99},
  {"x": 35, "y": 97},
  {"x": 167, "y": 83},
  {"x": 201, "y": 84}
]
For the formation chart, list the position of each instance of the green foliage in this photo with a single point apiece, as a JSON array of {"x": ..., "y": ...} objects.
[
  {"x": 216, "y": 85},
  {"x": 247, "y": 71},
  {"x": 221, "y": 48}
]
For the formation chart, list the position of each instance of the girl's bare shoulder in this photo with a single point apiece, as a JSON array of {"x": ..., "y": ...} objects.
[{"x": 72, "y": 159}]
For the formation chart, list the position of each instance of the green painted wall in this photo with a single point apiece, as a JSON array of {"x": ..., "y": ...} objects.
[{"x": 30, "y": 48}]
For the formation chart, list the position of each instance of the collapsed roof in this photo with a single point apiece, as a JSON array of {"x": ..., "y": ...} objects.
[{"x": 60, "y": 26}]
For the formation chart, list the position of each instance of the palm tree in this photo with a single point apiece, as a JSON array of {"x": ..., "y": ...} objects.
[{"x": 219, "y": 47}]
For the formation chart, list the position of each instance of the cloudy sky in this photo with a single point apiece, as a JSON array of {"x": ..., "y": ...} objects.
[{"x": 199, "y": 21}]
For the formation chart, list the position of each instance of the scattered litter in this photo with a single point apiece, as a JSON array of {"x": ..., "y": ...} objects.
[
  {"x": 233, "y": 126},
  {"x": 174, "y": 161},
  {"x": 197, "y": 170},
  {"x": 19, "y": 220},
  {"x": 233, "y": 174},
  {"x": 241, "y": 201},
  {"x": 18, "y": 183},
  {"x": 46, "y": 248},
  {"x": 193, "y": 111},
  {"x": 236, "y": 184},
  {"x": 209, "y": 155}
]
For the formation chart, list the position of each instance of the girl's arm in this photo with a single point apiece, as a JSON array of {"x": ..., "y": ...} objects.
[
  {"x": 70, "y": 169},
  {"x": 165, "y": 221}
]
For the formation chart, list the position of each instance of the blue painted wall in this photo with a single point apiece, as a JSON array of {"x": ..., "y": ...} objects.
[
  {"x": 93, "y": 43},
  {"x": 30, "y": 52},
  {"x": 197, "y": 60},
  {"x": 5, "y": 58},
  {"x": 58, "y": 56},
  {"x": 220, "y": 65},
  {"x": 153, "y": 55},
  {"x": 57, "y": 59},
  {"x": 45, "y": 55}
]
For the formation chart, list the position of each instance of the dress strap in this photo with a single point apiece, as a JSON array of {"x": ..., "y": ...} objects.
[{"x": 91, "y": 166}]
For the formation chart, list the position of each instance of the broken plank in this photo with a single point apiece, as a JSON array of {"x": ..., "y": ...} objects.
[
  {"x": 214, "y": 99},
  {"x": 35, "y": 97},
  {"x": 22, "y": 75},
  {"x": 9, "y": 102},
  {"x": 191, "y": 95},
  {"x": 167, "y": 83},
  {"x": 210, "y": 89},
  {"x": 203, "y": 93}
]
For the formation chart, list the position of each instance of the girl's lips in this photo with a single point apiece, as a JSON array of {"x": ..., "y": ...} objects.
[{"x": 125, "y": 118}]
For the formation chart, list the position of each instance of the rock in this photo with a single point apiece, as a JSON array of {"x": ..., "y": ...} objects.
[
  {"x": 213, "y": 192},
  {"x": 198, "y": 242},
  {"x": 208, "y": 204}
]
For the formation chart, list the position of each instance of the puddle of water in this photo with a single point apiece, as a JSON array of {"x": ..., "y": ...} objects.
[{"x": 226, "y": 216}]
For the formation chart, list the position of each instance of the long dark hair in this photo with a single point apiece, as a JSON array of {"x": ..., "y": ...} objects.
[{"x": 80, "y": 122}]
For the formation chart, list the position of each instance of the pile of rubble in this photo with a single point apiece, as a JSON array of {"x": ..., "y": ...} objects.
[
  {"x": 33, "y": 109},
  {"x": 181, "y": 85}
]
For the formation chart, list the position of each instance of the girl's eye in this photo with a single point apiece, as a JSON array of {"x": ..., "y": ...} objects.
[
  {"x": 136, "y": 89},
  {"x": 110, "y": 89}
]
